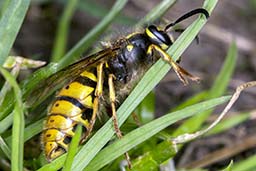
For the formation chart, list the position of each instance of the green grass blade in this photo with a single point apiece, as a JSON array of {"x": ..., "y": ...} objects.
[
  {"x": 229, "y": 123},
  {"x": 3, "y": 7},
  {"x": 55, "y": 164},
  {"x": 6, "y": 123},
  {"x": 6, "y": 150},
  {"x": 60, "y": 42},
  {"x": 99, "y": 11},
  {"x": 229, "y": 167},
  {"x": 192, "y": 100},
  {"x": 30, "y": 131},
  {"x": 219, "y": 87},
  {"x": 146, "y": 131},
  {"x": 73, "y": 147},
  {"x": 248, "y": 164},
  {"x": 10, "y": 24},
  {"x": 226, "y": 72},
  {"x": 157, "y": 12},
  {"x": 18, "y": 123},
  {"x": 146, "y": 108}
]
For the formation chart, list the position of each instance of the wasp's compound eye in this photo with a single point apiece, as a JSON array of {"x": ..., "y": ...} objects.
[{"x": 158, "y": 37}]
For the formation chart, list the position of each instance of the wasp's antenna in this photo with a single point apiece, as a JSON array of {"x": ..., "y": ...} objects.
[{"x": 187, "y": 15}]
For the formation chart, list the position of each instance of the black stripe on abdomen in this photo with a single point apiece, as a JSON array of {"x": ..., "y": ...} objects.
[{"x": 73, "y": 101}]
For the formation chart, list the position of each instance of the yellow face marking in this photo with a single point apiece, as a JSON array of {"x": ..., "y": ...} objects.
[
  {"x": 89, "y": 75},
  {"x": 76, "y": 90},
  {"x": 65, "y": 108},
  {"x": 129, "y": 47},
  {"x": 150, "y": 34}
]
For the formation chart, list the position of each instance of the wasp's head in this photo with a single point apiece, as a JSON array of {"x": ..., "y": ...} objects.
[
  {"x": 161, "y": 38},
  {"x": 158, "y": 37}
]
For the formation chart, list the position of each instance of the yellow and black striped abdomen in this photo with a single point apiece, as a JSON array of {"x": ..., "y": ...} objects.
[{"x": 73, "y": 105}]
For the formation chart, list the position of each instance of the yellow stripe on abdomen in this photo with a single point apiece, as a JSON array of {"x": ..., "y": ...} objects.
[
  {"x": 89, "y": 75},
  {"x": 76, "y": 90},
  {"x": 65, "y": 108}
]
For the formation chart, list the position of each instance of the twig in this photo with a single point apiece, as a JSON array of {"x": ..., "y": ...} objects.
[{"x": 188, "y": 137}]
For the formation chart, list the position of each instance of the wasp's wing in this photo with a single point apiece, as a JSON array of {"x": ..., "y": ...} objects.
[{"x": 66, "y": 75}]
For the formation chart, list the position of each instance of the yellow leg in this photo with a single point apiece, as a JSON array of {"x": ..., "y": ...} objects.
[
  {"x": 98, "y": 95},
  {"x": 112, "y": 98},
  {"x": 181, "y": 73}
]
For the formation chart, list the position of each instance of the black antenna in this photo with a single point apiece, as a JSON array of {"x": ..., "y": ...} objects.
[{"x": 187, "y": 15}]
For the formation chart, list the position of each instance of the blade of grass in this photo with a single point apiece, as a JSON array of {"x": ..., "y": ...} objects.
[
  {"x": 6, "y": 123},
  {"x": 246, "y": 164},
  {"x": 156, "y": 13},
  {"x": 3, "y": 7},
  {"x": 192, "y": 100},
  {"x": 10, "y": 24},
  {"x": 146, "y": 108},
  {"x": 146, "y": 131},
  {"x": 6, "y": 150},
  {"x": 229, "y": 123},
  {"x": 73, "y": 147},
  {"x": 18, "y": 123},
  {"x": 60, "y": 42},
  {"x": 229, "y": 167},
  {"x": 219, "y": 87},
  {"x": 6, "y": 87},
  {"x": 99, "y": 11},
  {"x": 30, "y": 131}
]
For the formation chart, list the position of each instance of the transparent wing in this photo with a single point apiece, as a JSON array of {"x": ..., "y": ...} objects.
[{"x": 67, "y": 74}]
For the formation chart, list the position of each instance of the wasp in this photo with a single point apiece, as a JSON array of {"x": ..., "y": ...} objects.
[{"x": 102, "y": 81}]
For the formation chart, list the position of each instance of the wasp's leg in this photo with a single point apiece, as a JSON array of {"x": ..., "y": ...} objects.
[
  {"x": 112, "y": 98},
  {"x": 182, "y": 73},
  {"x": 98, "y": 95}
]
